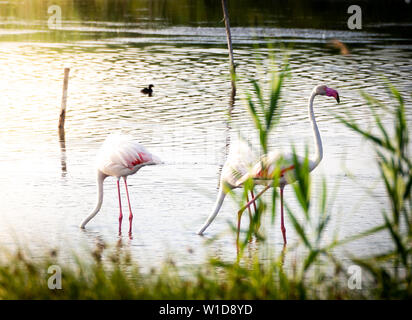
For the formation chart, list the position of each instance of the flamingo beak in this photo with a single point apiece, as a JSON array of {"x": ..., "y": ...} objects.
[
  {"x": 337, "y": 97},
  {"x": 332, "y": 93}
]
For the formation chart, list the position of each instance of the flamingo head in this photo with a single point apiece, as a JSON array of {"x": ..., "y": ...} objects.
[
  {"x": 151, "y": 86},
  {"x": 325, "y": 91}
]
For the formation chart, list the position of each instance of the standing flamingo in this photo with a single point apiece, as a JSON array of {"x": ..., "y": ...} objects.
[
  {"x": 241, "y": 164},
  {"x": 119, "y": 156}
]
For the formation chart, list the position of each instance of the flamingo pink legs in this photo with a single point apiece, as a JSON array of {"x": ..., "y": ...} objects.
[
  {"x": 130, "y": 208},
  {"x": 281, "y": 205},
  {"x": 254, "y": 203},
  {"x": 253, "y": 200},
  {"x": 282, "y": 224},
  {"x": 248, "y": 208},
  {"x": 120, "y": 207}
]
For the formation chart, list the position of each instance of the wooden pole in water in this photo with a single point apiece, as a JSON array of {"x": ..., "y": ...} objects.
[
  {"x": 232, "y": 72},
  {"x": 229, "y": 45},
  {"x": 62, "y": 117}
]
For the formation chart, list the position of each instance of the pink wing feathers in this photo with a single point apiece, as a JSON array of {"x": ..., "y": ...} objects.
[
  {"x": 120, "y": 152},
  {"x": 264, "y": 169}
]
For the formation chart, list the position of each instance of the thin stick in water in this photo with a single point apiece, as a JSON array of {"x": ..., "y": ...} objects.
[
  {"x": 232, "y": 72},
  {"x": 64, "y": 102},
  {"x": 229, "y": 40}
]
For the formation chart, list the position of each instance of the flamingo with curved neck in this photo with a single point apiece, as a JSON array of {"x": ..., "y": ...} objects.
[
  {"x": 237, "y": 163},
  {"x": 119, "y": 156}
]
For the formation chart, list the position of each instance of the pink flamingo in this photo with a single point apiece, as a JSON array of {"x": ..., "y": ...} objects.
[
  {"x": 242, "y": 159},
  {"x": 119, "y": 156}
]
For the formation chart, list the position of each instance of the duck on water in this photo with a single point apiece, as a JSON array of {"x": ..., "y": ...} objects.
[{"x": 148, "y": 91}]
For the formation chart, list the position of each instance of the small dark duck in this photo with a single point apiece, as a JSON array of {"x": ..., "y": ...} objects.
[{"x": 148, "y": 90}]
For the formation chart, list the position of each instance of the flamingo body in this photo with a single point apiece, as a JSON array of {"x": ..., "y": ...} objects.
[
  {"x": 119, "y": 156},
  {"x": 263, "y": 171},
  {"x": 242, "y": 165},
  {"x": 239, "y": 162}
]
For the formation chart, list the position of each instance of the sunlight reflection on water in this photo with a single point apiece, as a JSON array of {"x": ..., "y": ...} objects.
[{"x": 184, "y": 123}]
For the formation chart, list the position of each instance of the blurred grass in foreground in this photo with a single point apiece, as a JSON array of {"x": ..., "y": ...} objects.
[{"x": 21, "y": 278}]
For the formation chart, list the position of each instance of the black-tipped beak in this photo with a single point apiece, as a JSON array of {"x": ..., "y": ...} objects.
[{"x": 337, "y": 98}]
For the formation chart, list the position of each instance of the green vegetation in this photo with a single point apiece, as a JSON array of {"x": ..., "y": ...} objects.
[
  {"x": 391, "y": 270},
  {"x": 21, "y": 278}
]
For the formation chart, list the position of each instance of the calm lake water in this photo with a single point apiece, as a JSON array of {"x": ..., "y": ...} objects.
[{"x": 184, "y": 123}]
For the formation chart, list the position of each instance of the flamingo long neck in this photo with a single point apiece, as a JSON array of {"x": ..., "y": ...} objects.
[
  {"x": 100, "y": 178},
  {"x": 213, "y": 214},
  {"x": 316, "y": 133}
]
